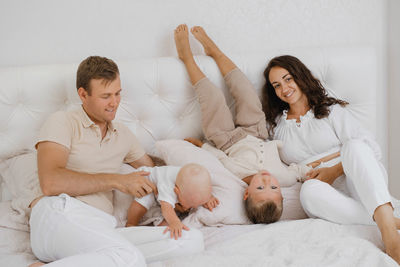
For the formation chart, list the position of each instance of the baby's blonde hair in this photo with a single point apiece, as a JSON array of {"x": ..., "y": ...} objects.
[{"x": 194, "y": 183}]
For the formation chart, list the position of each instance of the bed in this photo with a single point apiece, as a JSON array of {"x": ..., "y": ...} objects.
[{"x": 160, "y": 107}]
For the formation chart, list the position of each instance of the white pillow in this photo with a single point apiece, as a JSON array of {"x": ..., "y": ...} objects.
[
  {"x": 226, "y": 187},
  {"x": 21, "y": 179}
]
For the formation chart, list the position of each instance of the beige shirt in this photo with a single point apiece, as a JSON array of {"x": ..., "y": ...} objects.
[
  {"x": 89, "y": 153},
  {"x": 251, "y": 155}
]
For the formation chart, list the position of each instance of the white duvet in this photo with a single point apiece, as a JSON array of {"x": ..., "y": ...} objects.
[{"x": 308, "y": 242}]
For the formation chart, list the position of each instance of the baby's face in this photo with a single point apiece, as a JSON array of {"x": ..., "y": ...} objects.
[
  {"x": 192, "y": 200},
  {"x": 264, "y": 187}
]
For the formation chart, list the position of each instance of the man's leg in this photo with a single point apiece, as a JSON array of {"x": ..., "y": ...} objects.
[
  {"x": 67, "y": 232},
  {"x": 157, "y": 246},
  {"x": 249, "y": 113},
  {"x": 217, "y": 121}
]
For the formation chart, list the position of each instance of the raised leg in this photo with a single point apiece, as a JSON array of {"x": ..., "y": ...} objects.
[
  {"x": 217, "y": 121},
  {"x": 249, "y": 114}
]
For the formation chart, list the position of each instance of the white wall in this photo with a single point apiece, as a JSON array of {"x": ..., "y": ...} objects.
[
  {"x": 63, "y": 31},
  {"x": 394, "y": 94}
]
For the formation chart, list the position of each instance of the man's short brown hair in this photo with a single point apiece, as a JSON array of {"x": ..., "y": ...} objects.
[
  {"x": 265, "y": 212},
  {"x": 95, "y": 67}
]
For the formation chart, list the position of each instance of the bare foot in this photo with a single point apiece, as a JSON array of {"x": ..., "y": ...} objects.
[
  {"x": 397, "y": 220},
  {"x": 210, "y": 48},
  {"x": 181, "y": 35},
  {"x": 37, "y": 264},
  {"x": 393, "y": 248}
]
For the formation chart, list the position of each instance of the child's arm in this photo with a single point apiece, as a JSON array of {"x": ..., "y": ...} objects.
[
  {"x": 175, "y": 225},
  {"x": 324, "y": 159},
  {"x": 135, "y": 214},
  {"x": 212, "y": 203}
]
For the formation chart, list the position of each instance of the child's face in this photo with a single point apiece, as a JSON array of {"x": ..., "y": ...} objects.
[{"x": 263, "y": 187}]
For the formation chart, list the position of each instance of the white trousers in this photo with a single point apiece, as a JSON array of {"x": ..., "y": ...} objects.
[
  {"x": 68, "y": 232},
  {"x": 366, "y": 181}
]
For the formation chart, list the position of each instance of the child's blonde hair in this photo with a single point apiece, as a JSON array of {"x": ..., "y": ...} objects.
[{"x": 263, "y": 212}]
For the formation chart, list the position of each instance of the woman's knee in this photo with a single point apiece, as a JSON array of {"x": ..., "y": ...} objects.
[
  {"x": 353, "y": 148},
  {"x": 310, "y": 194}
]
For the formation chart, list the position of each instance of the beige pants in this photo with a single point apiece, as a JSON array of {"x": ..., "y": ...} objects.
[{"x": 217, "y": 122}]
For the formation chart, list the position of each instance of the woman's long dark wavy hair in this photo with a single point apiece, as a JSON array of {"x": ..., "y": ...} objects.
[{"x": 317, "y": 97}]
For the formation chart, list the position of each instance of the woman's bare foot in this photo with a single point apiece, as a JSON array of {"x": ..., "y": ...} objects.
[
  {"x": 181, "y": 35},
  {"x": 210, "y": 48},
  {"x": 392, "y": 247},
  {"x": 37, "y": 264},
  {"x": 397, "y": 220}
]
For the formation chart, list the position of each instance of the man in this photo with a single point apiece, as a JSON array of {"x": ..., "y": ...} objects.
[{"x": 79, "y": 155}]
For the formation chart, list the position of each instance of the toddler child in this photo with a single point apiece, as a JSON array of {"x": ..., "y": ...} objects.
[
  {"x": 180, "y": 188},
  {"x": 239, "y": 143}
]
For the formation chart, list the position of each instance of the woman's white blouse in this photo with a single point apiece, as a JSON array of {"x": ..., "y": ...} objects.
[{"x": 312, "y": 138}]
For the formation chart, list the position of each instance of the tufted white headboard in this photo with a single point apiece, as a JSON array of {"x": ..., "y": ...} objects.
[{"x": 158, "y": 101}]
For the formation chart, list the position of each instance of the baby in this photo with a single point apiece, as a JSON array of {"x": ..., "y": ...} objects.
[
  {"x": 239, "y": 143},
  {"x": 179, "y": 188}
]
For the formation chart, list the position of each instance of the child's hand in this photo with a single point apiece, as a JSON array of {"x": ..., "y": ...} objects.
[
  {"x": 212, "y": 203},
  {"x": 176, "y": 229},
  {"x": 194, "y": 141}
]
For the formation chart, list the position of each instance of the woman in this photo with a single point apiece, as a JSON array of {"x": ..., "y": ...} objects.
[{"x": 311, "y": 124}]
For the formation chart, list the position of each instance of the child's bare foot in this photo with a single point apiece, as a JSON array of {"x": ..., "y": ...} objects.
[
  {"x": 181, "y": 35},
  {"x": 37, "y": 264},
  {"x": 210, "y": 48}
]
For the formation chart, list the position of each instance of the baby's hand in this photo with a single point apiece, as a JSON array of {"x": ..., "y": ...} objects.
[
  {"x": 176, "y": 229},
  {"x": 212, "y": 203}
]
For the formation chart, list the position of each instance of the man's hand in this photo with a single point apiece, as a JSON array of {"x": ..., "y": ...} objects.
[
  {"x": 175, "y": 227},
  {"x": 327, "y": 175},
  {"x": 212, "y": 203},
  {"x": 194, "y": 141},
  {"x": 136, "y": 184}
]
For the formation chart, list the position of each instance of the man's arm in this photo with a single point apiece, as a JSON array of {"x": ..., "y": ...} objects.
[{"x": 55, "y": 178}]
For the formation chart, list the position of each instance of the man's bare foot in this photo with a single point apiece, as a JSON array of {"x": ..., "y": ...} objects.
[
  {"x": 210, "y": 48},
  {"x": 37, "y": 264},
  {"x": 181, "y": 35}
]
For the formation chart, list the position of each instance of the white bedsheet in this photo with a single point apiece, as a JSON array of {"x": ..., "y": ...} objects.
[{"x": 308, "y": 242}]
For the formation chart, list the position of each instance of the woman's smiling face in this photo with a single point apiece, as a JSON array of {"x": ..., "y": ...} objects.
[{"x": 285, "y": 86}]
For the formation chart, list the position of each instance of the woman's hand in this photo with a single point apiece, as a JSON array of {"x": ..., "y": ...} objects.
[
  {"x": 327, "y": 175},
  {"x": 194, "y": 141}
]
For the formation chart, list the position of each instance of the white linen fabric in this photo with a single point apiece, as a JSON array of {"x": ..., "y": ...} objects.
[
  {"x": 314, "y": 138},
  {"x": 250, "y": 155},
  {"x": 226, "y": 187},
  {"x": 89, "y": 238},
  {"x": 22, "y": 182},
  {"x": 164, "y": 178},
  {"x": 366, "y": 178},
  {"x": 366, "y": 181}
]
